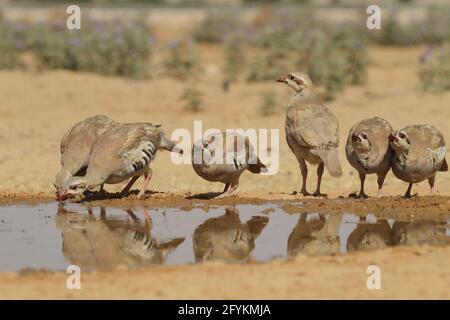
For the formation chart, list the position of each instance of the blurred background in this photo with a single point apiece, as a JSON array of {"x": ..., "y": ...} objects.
[
  {"x": 258, "y": 40},
  {"x": 176, "y": 61}
]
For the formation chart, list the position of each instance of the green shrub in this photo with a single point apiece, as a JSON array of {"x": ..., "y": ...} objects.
[
  {"x": 235, "y": 60},
  {"x": 106, "y": 48},
  {"x": 355, "y": 55},
  {"x": 434, "y": 74},
  {"x": 182, "y": 60},
  {"x": 216, "y": 25},
  {"x": 10, "y": 47},
  {"x": 269, "y": 65},
  {"x": 192, "y": 98},
  {"x": 434, "y": 29},
  {"x": 333, "y": 59},
  {"x": 268, "y": 103},
  {"x": 280, "y": 28},
  {"x": 333, "y": 55}
]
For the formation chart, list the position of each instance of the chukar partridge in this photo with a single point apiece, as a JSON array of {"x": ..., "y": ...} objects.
[
  {"x": 223, "y": 157},
  {"x": 419, "y": 154},
  {"x": 123, "y": 152},
  {"x": 226, "y": 238},
  {"x": 315, "y": 236},
  {"x": 370, "y": 236},
  {"x": 368, "y": 150},
  {"x": 107, "y": 242},
  {"x": 76, "y": 147},
  {"x": 312, "y": 130}
]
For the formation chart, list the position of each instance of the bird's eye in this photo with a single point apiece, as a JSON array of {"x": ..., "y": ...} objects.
[
  {"x": 402, "y": 135},
  {"x": 73, "y": 187},
  {"x": 364, "y": 136},
  {"x": 291, "y": 77}
]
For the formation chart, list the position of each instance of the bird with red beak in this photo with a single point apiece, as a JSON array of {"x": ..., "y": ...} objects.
[
  {"x": 419, "y": 154},
  {"x": 368, "y": 151},
  {"x": 312, "y": 130}
]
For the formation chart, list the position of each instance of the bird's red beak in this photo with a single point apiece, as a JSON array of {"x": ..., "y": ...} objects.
[
  {"x": 392, "y": 138},
  {"x": 61, "y": 196},
  {"x": 282, "y": 79}
]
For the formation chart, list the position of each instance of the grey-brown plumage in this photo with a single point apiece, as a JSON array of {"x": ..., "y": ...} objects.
[
  {"x": 419, "y": 154},
  {"x": 223, "y": 157},
  {"x": 76, "y": 146},
  {"x": 106, "y": 242},
  {"x": 122, "y": 153},
  {"x": 226, "y": 238},
  {"x": 368, "y": 150},
  {"x": 370, "y": 236},
  {"x": 312, "y": 130},
  {"x": 314, "y": 236},
  {"x": 420, "y": 232}
]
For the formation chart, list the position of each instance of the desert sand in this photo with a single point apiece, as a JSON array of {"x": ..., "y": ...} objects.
[{"x": 37, "y": 109}]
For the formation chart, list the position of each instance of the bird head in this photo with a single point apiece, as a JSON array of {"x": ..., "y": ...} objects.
[
  {"x": 73, "y": 187},
  {"x": 399, "y": 141},
  {"x": 298, "y": 81},
  {"x": 61, "y": 177},
  {"x": 360, "y": 141}
]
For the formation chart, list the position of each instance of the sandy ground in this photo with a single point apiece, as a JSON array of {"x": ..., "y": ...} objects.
[
  {"x": 37, "y": 108},
  {"x": 335, "y": 277}
]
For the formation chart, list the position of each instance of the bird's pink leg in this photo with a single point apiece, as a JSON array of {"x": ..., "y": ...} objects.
[
  {"x": 148, "y": 219},
  {"x": 231, "y": 190},
  {"x": 147, "y": 176},
  {"x": 127, "y": 188},
  {"x": 380, "y": 181}
]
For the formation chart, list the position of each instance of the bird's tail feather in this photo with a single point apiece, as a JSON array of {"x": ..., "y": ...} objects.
[
  {"x": 169, "y": 145},
  {"x": 444, "y": 166},
  {"x": 257, "y": 167},
  {"x": 331, "y": 160}
]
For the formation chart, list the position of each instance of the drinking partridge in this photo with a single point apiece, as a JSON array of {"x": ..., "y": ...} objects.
[
  {"x": 76, "y": 146},
  {"x": 123, "y": 152}
]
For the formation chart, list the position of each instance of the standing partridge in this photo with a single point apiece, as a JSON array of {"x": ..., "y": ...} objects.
[
  {"x": 368, "y": 150},
  {"x": 419, "y": 154},
  {"x": 123, "y": 152},
  {"x": 312, "y": 130},
  {"x": 223, "y": 157},
  {"x": 76, "y": 146}
]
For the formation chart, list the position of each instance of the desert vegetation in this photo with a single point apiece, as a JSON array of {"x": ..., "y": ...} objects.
[{"x": 273, "y": 41}]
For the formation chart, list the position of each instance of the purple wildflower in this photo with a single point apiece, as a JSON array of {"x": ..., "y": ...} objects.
[{"x": 76, "y": 42}]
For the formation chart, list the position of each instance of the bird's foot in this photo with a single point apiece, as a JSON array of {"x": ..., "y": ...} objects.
[
  {"x": 410, "y": 196},
  {"x": 320, "y": 195},
  {"x": 363, "y": 195},
  {"x": 360, "y": 195},
  {"x": 305, "y": 193},
  {"x": 224, "y": 195},
  {"x": 141, "y": 195}
]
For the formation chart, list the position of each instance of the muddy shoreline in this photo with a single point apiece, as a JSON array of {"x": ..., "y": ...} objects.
[{"x": 416, "y": 208}]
